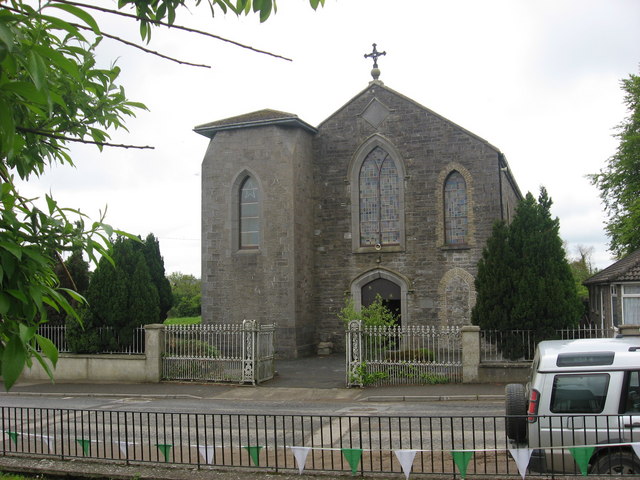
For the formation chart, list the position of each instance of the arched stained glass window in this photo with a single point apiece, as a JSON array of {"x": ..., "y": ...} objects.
[
  {"x": 379, "y": 200},
  {"x": 249, "y": 214},
  {"x": 455, "y": 210}
]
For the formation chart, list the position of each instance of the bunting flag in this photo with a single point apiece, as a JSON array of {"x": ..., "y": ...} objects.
[
  {"x": 461, "y": 459},
  {"x": 13, "y": 436},
  {"x": 582, "y": 455},
  {"x": 300, "y": 453},
  {"x": 254, "y": 453},
  {"x": 405, "y": 457},
  {"x": 85, "y": 444},
  {"x": 352, "y": 455},
  {"x": 207, "y": 453},
  {"x": 47, "y": 442},
  {"x": 522, "y": 456},
  {"x": 165, "y": 449}
]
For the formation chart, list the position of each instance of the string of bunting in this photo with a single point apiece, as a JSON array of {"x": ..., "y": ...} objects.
[{"x": 461, "y": 457}]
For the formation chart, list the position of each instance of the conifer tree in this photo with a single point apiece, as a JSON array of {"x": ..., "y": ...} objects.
[
  {"x": 524, "y": 280},
  {"x": 155, "y": 263}
]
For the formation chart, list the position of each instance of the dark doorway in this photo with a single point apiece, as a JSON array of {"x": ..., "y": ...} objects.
[{"x": 390, "y": 293}]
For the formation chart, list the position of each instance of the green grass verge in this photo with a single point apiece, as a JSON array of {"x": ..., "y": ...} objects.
[{"x": 183, "y": 321}]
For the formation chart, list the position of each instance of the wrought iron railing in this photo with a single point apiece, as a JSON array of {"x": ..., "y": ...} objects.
[
  {"x": 491, "y": 341},
  {"x": 242, "y": 353},
  {"x": 358, "y": 444},
  {"x": 58, "y": 335},
  {"x": 417, "y": 354}
]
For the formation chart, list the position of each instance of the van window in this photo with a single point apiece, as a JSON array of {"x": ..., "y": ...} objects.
[
  {"x": 579, "y": 393},
  {"x": 632, "y": 389}
]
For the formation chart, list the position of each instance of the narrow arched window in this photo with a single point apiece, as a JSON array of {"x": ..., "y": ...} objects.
[
  {"x": 249, "y": 224},
  {"x": 379, "y": 184},
  {"x": 455, "y": 210}
]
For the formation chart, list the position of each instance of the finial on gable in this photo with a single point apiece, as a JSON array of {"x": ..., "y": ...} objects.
[{"x": 375, "y": 71}]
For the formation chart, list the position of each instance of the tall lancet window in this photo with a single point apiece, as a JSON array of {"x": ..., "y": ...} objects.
[
  {"x": 249, "y": 214},
  {"x": 379, "y": 200},
  {"x": 455, "y": 210}
]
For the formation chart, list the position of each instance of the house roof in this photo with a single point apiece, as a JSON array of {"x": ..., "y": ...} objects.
[
  {"x": 258, "y": 118},
  {"x": 625, "y": 270}
]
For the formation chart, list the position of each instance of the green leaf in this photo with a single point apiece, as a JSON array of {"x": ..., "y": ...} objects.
[
  {"x": 78, "y": 12},
  {"x": 26, "y": 333},
  {"x": 43, "y": 363},
  {"x": 14, "y": 358},
  {"x": 37, "y": 70},
  {"x": 14, "y": 249},
  {"x": 19, "y": 294},
  {"x": 73, "y": 294},
  {"x": 5, "y": 303},
  {"x": 48, "y": 348}
]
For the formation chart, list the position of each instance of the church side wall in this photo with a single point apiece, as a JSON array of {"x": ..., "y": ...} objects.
[
  {"x": 252, "y": 284},
  {"x": 440, "y": 278}
]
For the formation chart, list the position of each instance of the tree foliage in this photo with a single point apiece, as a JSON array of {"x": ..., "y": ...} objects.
[
  {"x": 619, "y": 181},
  {"x": 122, "y": 295},
  {"x": 52, "y": 93},
  {"x": 186, "y": 295},
  {"x": 524, "y": 280}
]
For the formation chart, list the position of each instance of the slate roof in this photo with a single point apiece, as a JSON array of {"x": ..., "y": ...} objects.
[
  {"x": 254, "y": 119},
  {"x": 625, "y": 270}
]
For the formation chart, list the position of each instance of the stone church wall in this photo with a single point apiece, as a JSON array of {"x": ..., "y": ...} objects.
[
  {"x": 441, "y": 278},
  {"x": 272, "y": 283}
]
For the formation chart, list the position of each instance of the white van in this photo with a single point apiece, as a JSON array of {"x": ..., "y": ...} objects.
[{"x": 581, "y": 392}]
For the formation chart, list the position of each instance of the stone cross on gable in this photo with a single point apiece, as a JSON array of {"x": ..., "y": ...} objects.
[{"x": 375, "y": 72}]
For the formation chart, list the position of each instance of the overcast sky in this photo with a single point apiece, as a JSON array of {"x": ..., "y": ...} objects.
[{"x": 538, "y": 79}]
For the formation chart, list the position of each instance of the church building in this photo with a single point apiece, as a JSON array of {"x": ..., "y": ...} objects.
[{"x": 383, "y": 197}]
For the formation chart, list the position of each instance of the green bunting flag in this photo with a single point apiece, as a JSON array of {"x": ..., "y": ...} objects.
[
  {"x": 582, "y": 455},
  {"x": 85, "y": 444},
  {"x": 13, "y": 436},
  {"x": 254, "y": 453},
  {"x": 461, "y": 459},
  {"x": 165, "y": 449},
  {"x": 352, "y": 455}
]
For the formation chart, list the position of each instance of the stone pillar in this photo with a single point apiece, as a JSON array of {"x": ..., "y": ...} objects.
[
  {"x": 470, "y": 353},
  {"x": 153, "y": 349}
]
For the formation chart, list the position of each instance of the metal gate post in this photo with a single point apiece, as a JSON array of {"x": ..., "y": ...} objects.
[
  {"x": 354, "y": 353},
  {"x": 249, "y": 331}
]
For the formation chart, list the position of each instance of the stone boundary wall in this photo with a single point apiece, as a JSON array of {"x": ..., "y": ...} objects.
[{"x": 111, "y": 368}]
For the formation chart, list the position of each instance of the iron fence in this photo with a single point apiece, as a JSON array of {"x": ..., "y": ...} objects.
[
  {"x": 242, "y": 353},
  {"x": 416, "y": 354},
  {"x": 491, "y": 341},
  {"x": 58, "y": 335},
  {"x": 364, "y": 444}
]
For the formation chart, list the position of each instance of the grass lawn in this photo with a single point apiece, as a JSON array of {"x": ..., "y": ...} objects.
[{"x": 183, "y": 321}]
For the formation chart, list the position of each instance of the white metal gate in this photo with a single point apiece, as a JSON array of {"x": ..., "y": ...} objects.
[
  {"x": 242, "y": 353},
  {"x": 415, "y": 354}
]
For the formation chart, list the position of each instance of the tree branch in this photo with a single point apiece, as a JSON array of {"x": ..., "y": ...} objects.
[
  {"x": 178, "y": 27},
  {"x": 80, "y": 140},
  {"x": 140, "y": 47}
]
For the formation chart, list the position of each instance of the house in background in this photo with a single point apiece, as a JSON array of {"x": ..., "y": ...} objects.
[
  {"x": 384, "y": 197},
  {"x": 614, "y": 293}
]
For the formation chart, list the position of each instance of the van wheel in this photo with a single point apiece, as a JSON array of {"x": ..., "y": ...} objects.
[
  {"x": 516, "y": 410},
  {"x": 617, "y": 463}
]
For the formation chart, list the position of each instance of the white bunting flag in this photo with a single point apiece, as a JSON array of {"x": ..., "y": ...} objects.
[
  {"x": 207, "y": 453},
  {"x": 405, "y": 457},
  {"x": 301, "y": 456},
  {"x": 522, "y": 457}
]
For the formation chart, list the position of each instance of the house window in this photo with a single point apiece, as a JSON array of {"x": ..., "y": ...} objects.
[
  {"x": 379, "y": 206},
  {"x": 455, "y": 209},
  {"x": 631, "y": 304},
  {"x": 249, "y": 225}
]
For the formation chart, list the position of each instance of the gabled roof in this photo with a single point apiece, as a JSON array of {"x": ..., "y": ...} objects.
[
  {"x": 625, "y": 270},
  {"x": 259, "y": 118}
]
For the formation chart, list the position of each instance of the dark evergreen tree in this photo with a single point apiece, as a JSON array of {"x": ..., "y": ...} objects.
[
  {"x": 121, "y": 295},
  {"x": 155, "y": 263},
  {"x": 74, "y": 275},
  {"x": 524, "y": 280}
]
